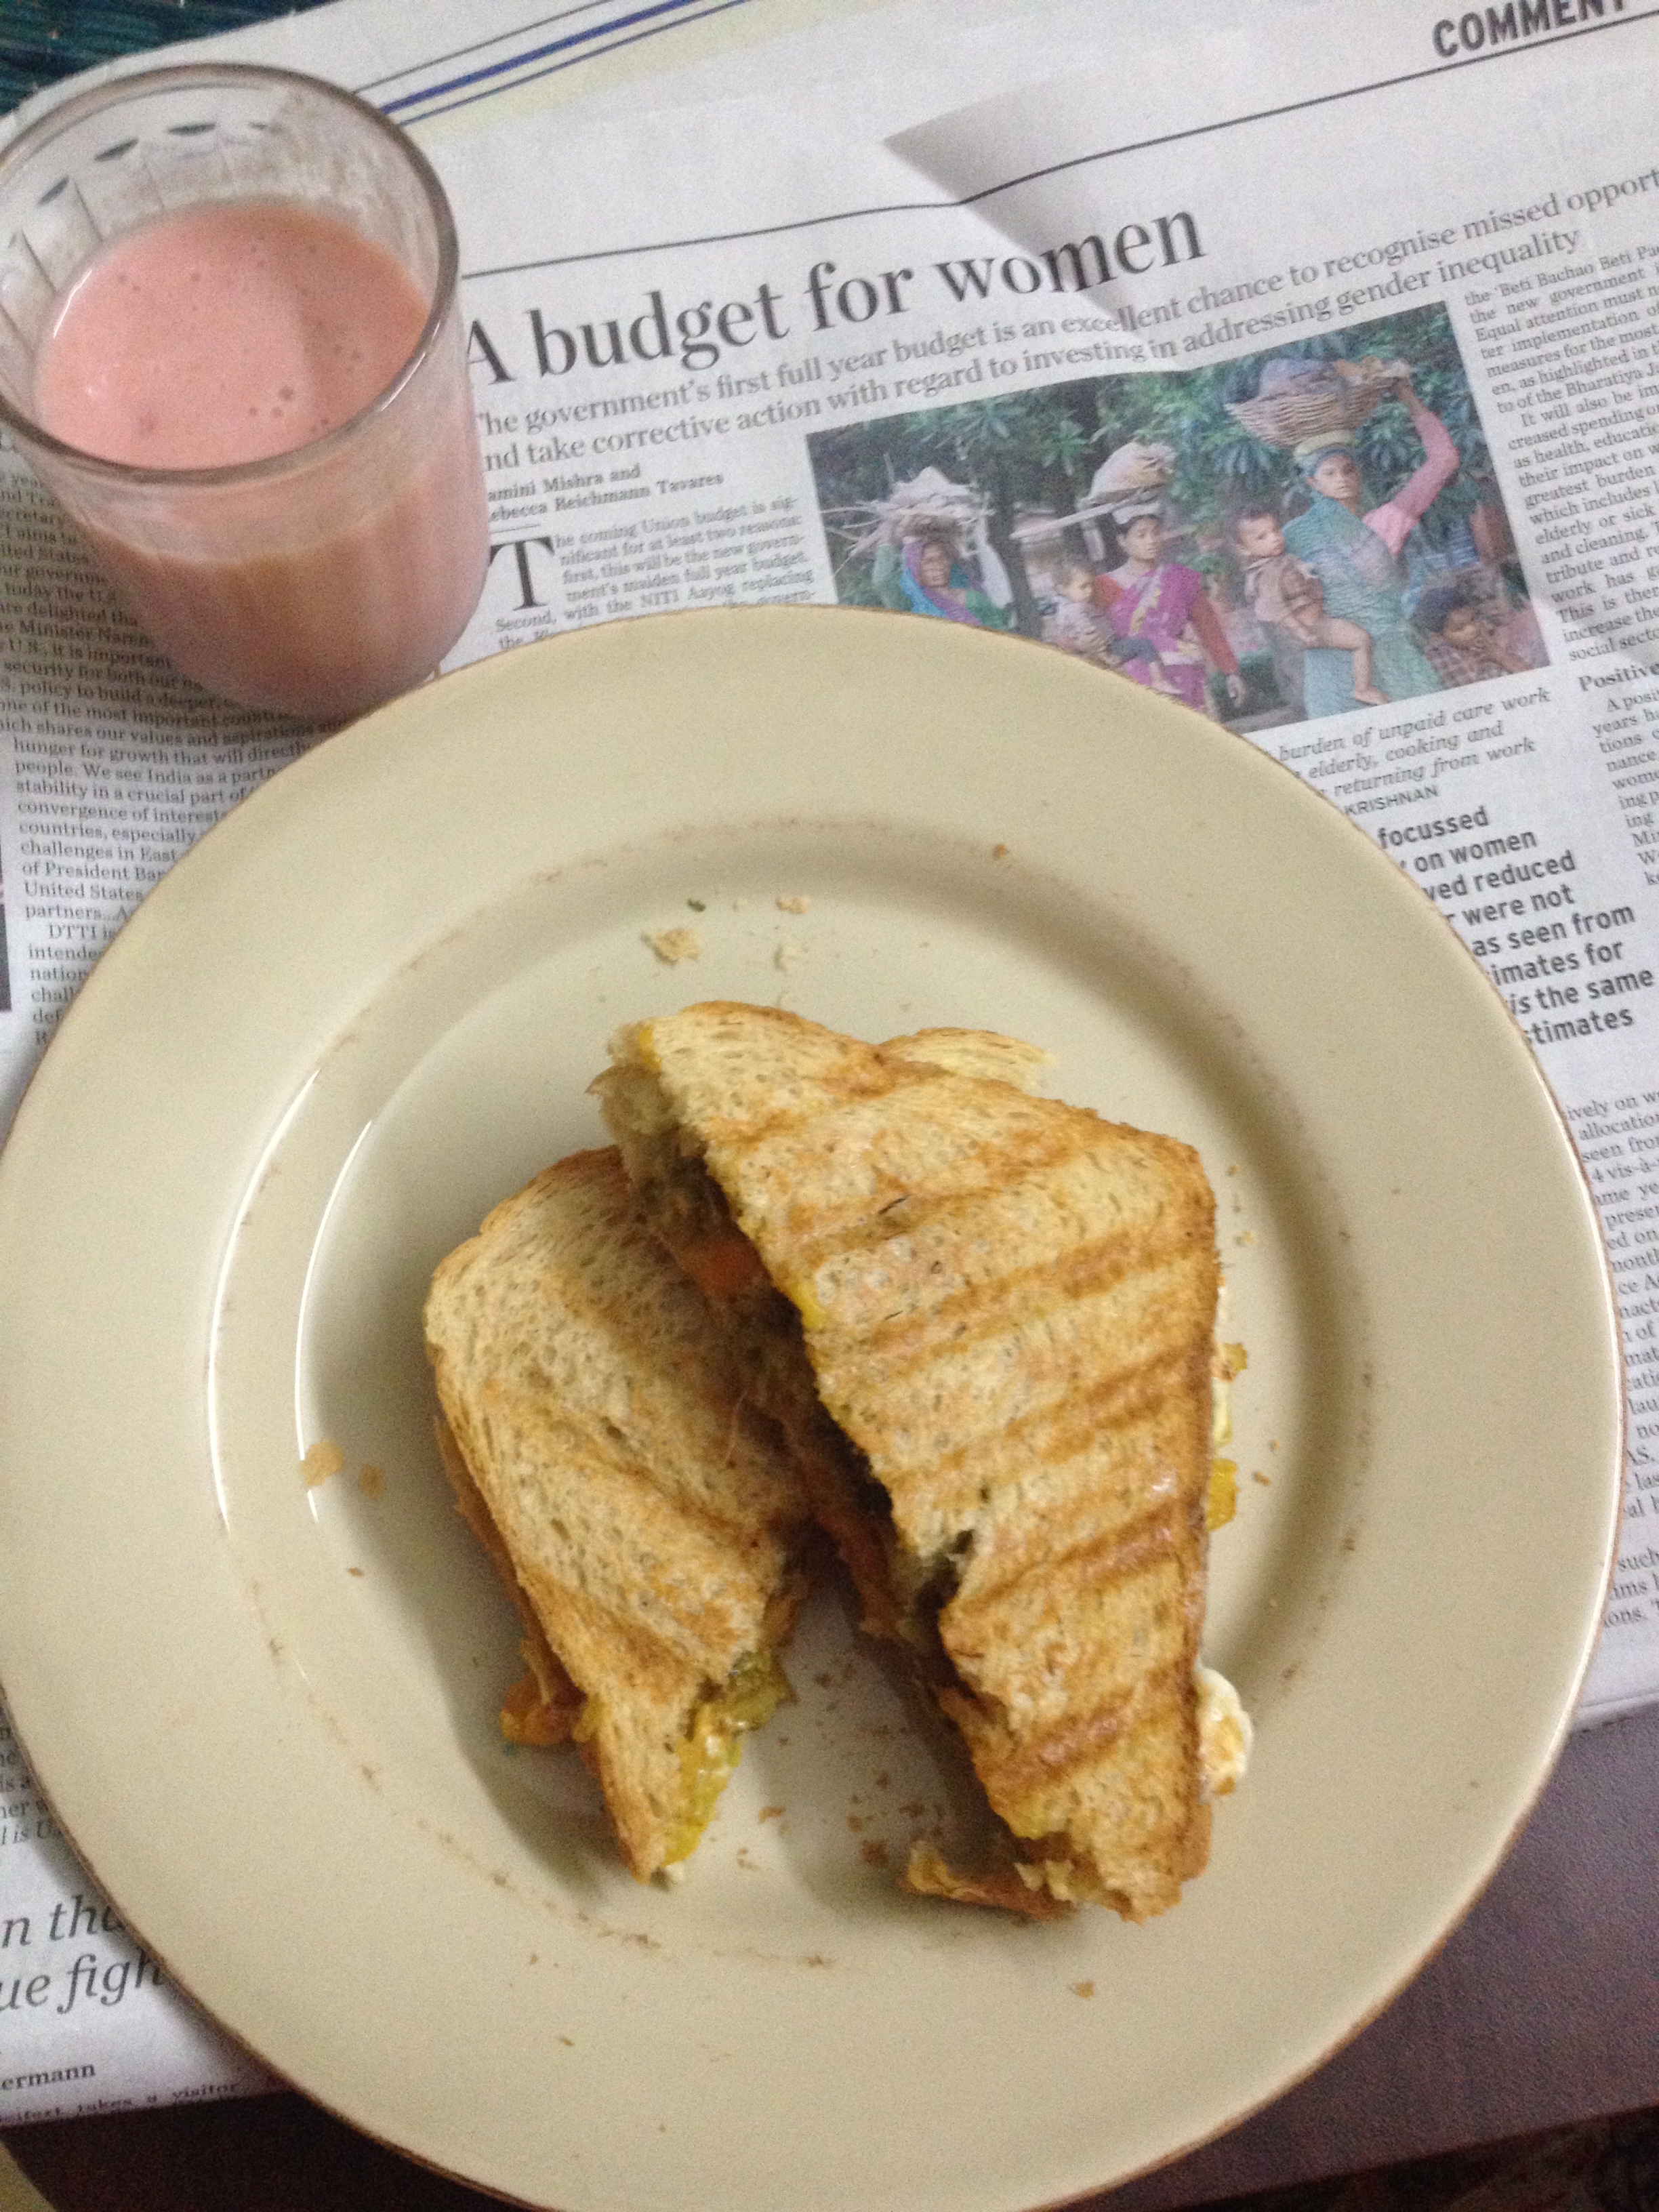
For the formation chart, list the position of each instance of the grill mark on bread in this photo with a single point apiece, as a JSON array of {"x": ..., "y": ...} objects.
[
  {"x": 586, "y": 1624},
  {"x": 1095, "y": 1559},
  {"x": 970, "y": 1395},
  {"x": 703, "y": 1381},
  {"x": 1065, "y": 1426},
  {"x": 1066, "y": 1474},
  {"x": 1020, "y": 1651},
  {"x": 842, "y": 1154},
  {"x": 1049, "y": 1757},
  {"x": 1139, "y": 1763},
  {"x": 619, "y": 1486},
  {"x": 928, "y": 1246},
  {"x": 701, "y": 1610},
  {"x": 968, "y": 1319}
]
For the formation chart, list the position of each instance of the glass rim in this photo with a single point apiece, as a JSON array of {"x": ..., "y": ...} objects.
[{"x": 38, "y": 133}]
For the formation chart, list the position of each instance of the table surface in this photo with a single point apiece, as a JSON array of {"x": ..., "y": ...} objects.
[
  {"x": 1542, "y": 2009},
  {"x": 41, "y": 40}
]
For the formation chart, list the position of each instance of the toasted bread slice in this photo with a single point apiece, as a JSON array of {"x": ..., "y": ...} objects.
[
  {"x": 650, "y": 1517},
  {"x": 1005, "y": 1308}
]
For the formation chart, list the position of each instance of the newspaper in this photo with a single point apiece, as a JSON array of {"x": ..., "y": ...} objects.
[{"x": 1301, "y": 365}]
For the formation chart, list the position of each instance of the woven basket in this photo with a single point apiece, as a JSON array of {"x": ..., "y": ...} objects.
[
  {"x": 1134, "y": 468},
  {"x": 932, "y": 518},
  {"x": 928, "y": 506},
  {"x": 1285, "y": 418}
]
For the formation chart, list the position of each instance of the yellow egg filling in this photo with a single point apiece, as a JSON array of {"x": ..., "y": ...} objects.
[{"x": 712, "y": 1744}]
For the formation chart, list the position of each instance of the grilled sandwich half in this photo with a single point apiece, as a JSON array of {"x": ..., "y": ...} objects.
[
  {"x": 645, "y": 1516},
  {"x": 986, "y": 1322}
]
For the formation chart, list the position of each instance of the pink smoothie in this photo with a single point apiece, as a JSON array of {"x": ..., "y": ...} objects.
[
  {"x": 235, "y": 332},
  {"x": 217, "y": 336}
]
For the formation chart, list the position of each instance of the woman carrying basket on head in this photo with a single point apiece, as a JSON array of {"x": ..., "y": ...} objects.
[
  {"x": 933, "y": 554},
  {"x": 1355, "y": 553},
  {"x": 1167, "y": 635},
  {"x": 1149, "y": 596},
  {"x": 927, "y": 576}
]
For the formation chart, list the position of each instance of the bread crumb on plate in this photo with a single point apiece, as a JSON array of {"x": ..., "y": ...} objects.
[
  {"x": 673, "y": 945},
  {"x": 325, "y": 1458}
]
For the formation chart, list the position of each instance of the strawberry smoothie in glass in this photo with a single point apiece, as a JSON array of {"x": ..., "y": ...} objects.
[{"x": 230, "y": 344}]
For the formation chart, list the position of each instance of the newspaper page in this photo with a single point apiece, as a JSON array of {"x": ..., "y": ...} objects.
[
  {"x": 1442, "y": 604},
  {"x": 1367, "y": 473}
]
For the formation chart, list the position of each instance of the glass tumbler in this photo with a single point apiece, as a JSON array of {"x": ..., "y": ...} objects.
[{"x": 318, "y": 581}]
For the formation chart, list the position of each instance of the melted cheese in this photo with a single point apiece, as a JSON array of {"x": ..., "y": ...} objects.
[
  {"x": 1224, "y": 1734},
  {"x": 1221, "y": 1502}
]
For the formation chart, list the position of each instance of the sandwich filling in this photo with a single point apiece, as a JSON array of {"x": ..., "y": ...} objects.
[{"x": 709, "y": 1751}]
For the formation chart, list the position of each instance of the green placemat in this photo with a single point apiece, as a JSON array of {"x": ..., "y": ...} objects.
[{"x": 41, "y": 40}]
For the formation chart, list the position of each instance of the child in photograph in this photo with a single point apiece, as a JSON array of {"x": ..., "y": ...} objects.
[
  {"x": 1464, "y": 645},
  {"x": 1283, "y": 593},
  {"x": 1077, "y": 625},
  {"x": 1259, "y": 547}
]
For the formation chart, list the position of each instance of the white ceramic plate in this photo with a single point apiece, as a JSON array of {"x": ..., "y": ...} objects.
[{"x": 366, "y": 1007}]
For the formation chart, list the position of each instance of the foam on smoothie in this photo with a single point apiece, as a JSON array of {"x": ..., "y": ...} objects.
[{"x": 218, "y": 335}]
